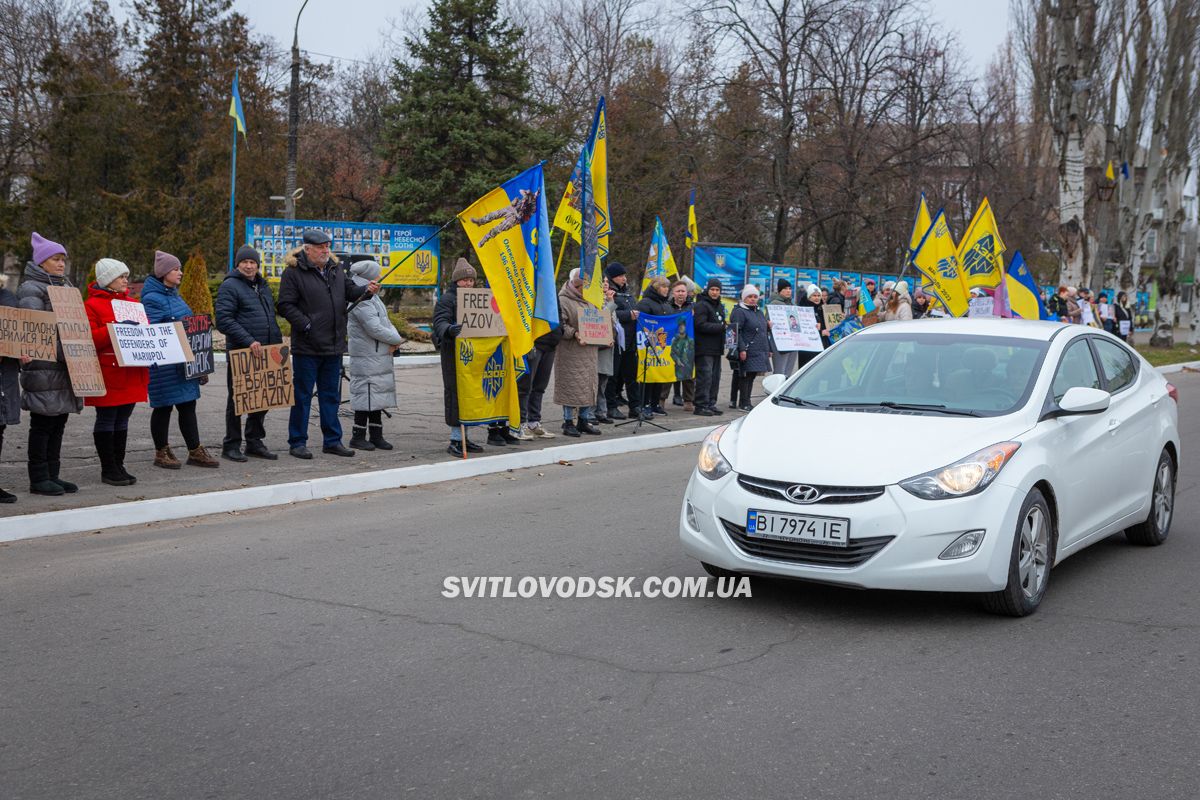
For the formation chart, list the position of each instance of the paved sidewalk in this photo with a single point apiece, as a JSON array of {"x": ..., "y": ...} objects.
[{"x": 416, "y": 429}]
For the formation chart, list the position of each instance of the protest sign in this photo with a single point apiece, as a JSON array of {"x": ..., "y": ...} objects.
[
  {"x": 126, "y": 311},
  {"x": 666, "y": 348},
  {"x": 147, "y": 345},
  {"x": 75, "y": 334},
  {"x": 479, "y": 314},
  {"x": 263, "y": 381},
  {"x": 981, "y": 307},
  {"x": 595, "y": 326},
  {"x": 833, "y": 316},
  {"x": 794, "y": 328},
  {"x": 198, "y": 328},
  {"x": 24, "y": 332}
]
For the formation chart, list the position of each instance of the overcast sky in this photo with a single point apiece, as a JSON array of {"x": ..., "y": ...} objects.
[{"x": 352, "y": 28}]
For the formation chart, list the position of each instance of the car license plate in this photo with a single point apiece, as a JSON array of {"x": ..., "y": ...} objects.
[{"x": 798, "y": 528}]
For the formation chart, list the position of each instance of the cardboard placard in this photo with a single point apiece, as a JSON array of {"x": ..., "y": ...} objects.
[
  {"x": 795, "y": 328},
  {"x": 24, "y": 332},
  {"x": 833, "y": 316},
  {"x": 595, "y": 326},
  {"x": 129, "y": 311},
  {"x": 75, "y": 334},
  {"x": 479, "y": 314},
  {"x": 261, "y": 382},
  {"x": 199, "y": 331},
  {"x": 148, "y": 345}
]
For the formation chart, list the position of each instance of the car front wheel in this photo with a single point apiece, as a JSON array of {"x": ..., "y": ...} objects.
[
  {"x": 1154, "y": 530},
  {"x": 1030, "y": 562}
]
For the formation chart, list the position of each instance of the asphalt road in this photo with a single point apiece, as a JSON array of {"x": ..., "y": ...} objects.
[{"x": 308, "y": 653}]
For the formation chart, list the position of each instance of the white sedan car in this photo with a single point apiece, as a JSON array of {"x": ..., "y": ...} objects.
[{"x": 959, "y": 455}]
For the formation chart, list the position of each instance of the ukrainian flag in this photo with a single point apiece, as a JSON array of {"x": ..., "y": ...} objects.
[
  {"x": 593, "y": 161},
  {"x": 981, "y": 251},
  {"x": 866, "y": 303},
  {"x": 235, "y": 107},
  {"x": 921, "y": 225},
  {"x": 1023, "y": 298},
  {"x": 693, "y": 231},
  {"x": 509, "y": 229},
  {"x": 937, "y": 260},
  {"x": 660, "y": 262}
]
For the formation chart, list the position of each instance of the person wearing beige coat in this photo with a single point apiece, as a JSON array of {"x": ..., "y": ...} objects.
[{"x": 575, "y": 378}]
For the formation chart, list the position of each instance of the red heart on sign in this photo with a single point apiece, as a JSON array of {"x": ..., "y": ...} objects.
[{"x": 495, "y": 305}]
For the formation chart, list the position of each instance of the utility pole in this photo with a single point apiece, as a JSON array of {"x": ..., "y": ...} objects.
[{"x": 293, "y": 121}]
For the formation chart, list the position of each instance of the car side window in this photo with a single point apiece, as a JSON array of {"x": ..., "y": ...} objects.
[
  {"x": 1075, "y": 369},
  {"x": 1118, "y": 366}
]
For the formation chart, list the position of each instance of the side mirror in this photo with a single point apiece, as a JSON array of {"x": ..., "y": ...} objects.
[
  {"x": 772, "y": 383},
  {"x": 1081, "y": 400}
]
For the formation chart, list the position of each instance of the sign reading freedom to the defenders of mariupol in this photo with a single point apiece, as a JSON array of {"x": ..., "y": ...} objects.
[
  {"x": 261, "y": 382},
  {"x": 75, "y": 334},
  {"x": 24, "y": 332},
  {"x": 148, "y": 345},
  {"x": 478, "y": 314}
]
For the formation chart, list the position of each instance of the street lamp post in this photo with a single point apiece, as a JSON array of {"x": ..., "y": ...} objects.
[{"x": 293, "y": 120}]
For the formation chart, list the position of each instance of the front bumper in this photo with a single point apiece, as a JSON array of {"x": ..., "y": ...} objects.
[{"x": 919, "y": 531}]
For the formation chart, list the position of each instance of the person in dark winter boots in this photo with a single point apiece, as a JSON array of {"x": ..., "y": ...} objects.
[
  {"x": 373, "y": 341},
  {"x": 245, "y": 313},
  {"x": 313, "y": 293},
  {"x": 575, "y": 380},
  {"x": 169, "y": 386},
  {"x": 709, "y": 320},
  {"x": 753, "y": 344},
  {"x": 126, "y": 386},
  {"x": 10, "y": 389},
  {"x": 625, "y": 357},
  {"x": 45, "y": 385},
  {"x": 445, "y": 339}
]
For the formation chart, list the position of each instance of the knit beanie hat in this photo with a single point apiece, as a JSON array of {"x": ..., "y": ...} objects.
[
  {"x": 614, "y": 269},
  {"x": 246, "y": 253},
  {"x": 366, "y": 269},
  {"x": 749, "y": 289},
  {"x": 164, "y": 263},
  {"x": 44, "y": 248},
  {"x": 814, "y": 290},
  {"x": 784, "y": 283},
  {"x": 711, "y": 283},
  {"x": 108, "y": 270},
  {"x": 462, "y": 271}
]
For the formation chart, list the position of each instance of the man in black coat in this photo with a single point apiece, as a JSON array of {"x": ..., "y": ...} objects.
[
  {"x": 245, "y": 313},
  {"x": 313, "y": 293},
  {"x": 709, "y": 318},
  {"x": 625, "y": 358}
]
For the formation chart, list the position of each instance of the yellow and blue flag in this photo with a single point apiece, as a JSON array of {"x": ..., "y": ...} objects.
[
  {"x": 510, "y": 231},
  {"x": 486, "y": 378},
  {"x": 666, "y": 346},
  {"x": 660, "y": 262},
  {"x": 866, "y": 303},
  {"x": 235, "y": 107},
  {"x": 593, "y": 160},
  {"x": 937, "y": 259},
  {"x": 693, "y": 232},
  {"x": 1024, "y": 301},
  {"x": 981, "y": 251},
  {"x": 921, "y": 225}
]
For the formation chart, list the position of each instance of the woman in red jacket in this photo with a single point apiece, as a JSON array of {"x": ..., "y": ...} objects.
[{"x": 126, "y": 385}]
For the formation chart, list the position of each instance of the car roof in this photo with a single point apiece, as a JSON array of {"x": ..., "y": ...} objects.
[{"x": 973, "y": 326}]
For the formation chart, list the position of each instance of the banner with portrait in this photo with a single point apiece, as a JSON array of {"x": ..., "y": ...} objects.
[{"x": 666, "y": 347}]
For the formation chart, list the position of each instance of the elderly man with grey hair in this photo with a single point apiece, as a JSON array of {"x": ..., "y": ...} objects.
[{"x": 313, "y": 293}]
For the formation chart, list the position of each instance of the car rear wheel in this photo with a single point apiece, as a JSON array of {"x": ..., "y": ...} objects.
[
  {"x": 1154, "y": 530},
  {"x": 1030, "y": 562}
]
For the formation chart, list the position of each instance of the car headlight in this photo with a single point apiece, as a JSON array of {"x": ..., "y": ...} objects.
[
  {"x": 964, "y": 477},
  {"x": 712, "y": 464}
]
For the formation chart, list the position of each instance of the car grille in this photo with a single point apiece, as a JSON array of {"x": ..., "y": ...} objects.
[
  {"x": 858, "y": 551},
  {"x": 777, "y": 490}
]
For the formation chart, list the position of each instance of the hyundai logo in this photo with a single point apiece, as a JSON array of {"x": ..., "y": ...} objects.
[{"x": 802, "y": 493}]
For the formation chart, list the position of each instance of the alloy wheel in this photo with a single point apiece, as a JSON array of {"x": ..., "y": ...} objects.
[{"x": 1033, "y": 561}]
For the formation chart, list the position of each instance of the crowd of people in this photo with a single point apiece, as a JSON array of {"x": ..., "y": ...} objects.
[{"x": 333, "y": 311}]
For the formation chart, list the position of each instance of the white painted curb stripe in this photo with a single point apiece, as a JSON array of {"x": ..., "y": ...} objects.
[
  {"x": 119, "y": 515},
  {"x": 1167, "y": 369}
]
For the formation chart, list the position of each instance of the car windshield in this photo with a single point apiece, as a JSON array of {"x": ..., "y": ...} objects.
[{"x": 921, "y": 373}]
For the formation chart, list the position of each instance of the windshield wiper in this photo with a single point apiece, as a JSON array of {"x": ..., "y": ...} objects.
[
  {"x": 935, "y": 407},
  {"x": 798, "y": 401}
]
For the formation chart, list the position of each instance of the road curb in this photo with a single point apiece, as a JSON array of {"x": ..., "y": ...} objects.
[
  {"x": 400, "y": 362},
  {"x": 120, "y": 515},
  {"x": 1167, "y": 369}
]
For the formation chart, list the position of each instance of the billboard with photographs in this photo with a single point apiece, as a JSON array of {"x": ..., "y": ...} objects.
[{"x": 386, "y": 243}]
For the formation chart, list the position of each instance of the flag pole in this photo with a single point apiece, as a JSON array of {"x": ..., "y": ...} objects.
[
  {"x": 232, "y": 194},
  {"x": 562, "y": 248}
]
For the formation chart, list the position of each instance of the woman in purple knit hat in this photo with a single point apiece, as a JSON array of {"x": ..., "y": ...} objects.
[{"x": 45, "y": 385}]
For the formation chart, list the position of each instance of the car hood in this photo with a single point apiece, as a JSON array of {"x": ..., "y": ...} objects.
[{"x": 856, "y": 448}]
